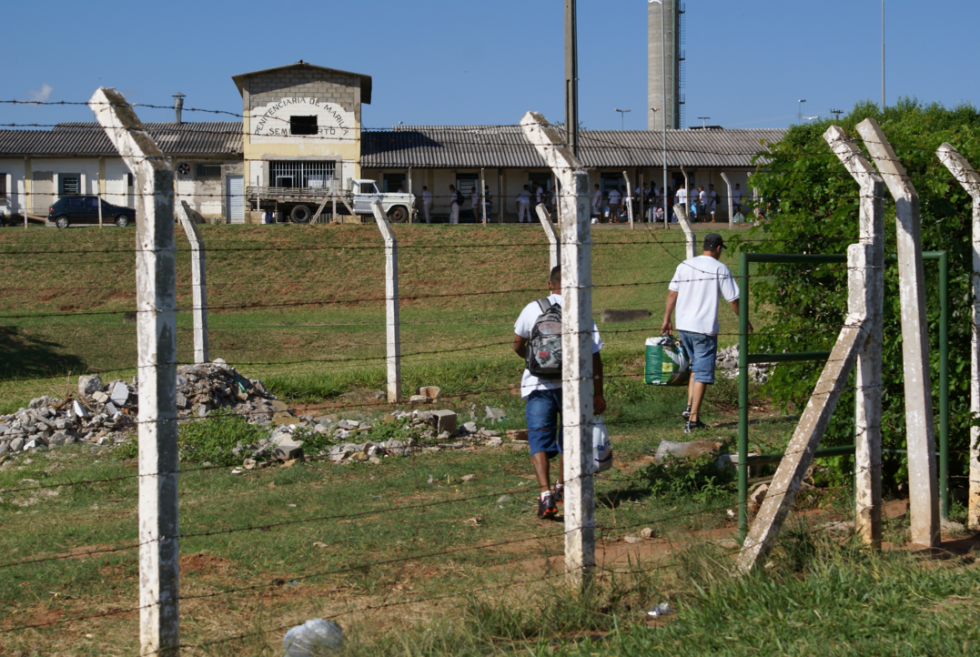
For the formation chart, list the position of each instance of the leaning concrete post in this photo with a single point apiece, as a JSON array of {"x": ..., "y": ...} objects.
[
  {"x": 157, "y": 350},
  {"x": 391, "y": 305},
  {"x": 867, "y": 298},
  {"x": 629, "y": 199},
  {"x": 199, "y": 289},
  {"x": 920, "y": 433},
  {"x": 806, "y": 439},
  {"x": 970, "y": 179},
  {"x": 681, "y": 212},
  {"x": 483, "y": 198},
  {"x": 554, "y": 249},
  {"x": 731, "y": 200},
  {"x": 577, "y": 417}
]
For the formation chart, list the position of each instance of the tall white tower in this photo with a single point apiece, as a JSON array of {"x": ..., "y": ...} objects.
[{"x": 668, "y": 39}]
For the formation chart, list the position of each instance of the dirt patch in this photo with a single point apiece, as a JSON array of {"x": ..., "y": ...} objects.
[{"x": 203, "y": 563}]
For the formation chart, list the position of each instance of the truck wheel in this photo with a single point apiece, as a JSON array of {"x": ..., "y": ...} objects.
[
  {"x": 398, "y": 215},
  {"x": 300, "y": 214}
]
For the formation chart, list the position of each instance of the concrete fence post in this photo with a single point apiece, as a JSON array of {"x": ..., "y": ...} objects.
[
  {"x": 577, "y": 409},
  {"x": 681, "y": 211},
  {"x": 920, "y": 433},
  {"x": 483, "y": 197},
  {"x": 393, "y": 328},
  {"x": 628, "y": 199},
  {"x": 967, "y": 176},
  {"x": 199, "y": 289},
  {"x": 157, "y": 350},
  {"x": 731, "y": 200},
  {"x": 867, "y": 289},
  {"x": 554, "y": 247}
]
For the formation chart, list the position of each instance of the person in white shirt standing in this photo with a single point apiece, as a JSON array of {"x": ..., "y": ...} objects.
[
  {"x": 702, "y": 200},
  {"x": 543, "y": 395},
  {"x": 453, "y": 205},
  {"x": 614, "y": 199},
  {"x": 427, "y": 204},
  {"x": 712, "y": 202},
  {"x": 698, "y": 285},
  {"x": 737, "y": 197},
  {"x": 681, "y": 198},
  {"x": 524, "y": 206}
]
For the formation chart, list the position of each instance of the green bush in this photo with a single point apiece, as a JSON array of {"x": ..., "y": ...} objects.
[{"x": 212, "y": 439}]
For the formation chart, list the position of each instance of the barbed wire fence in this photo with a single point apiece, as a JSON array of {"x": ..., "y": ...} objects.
[{"x": 155, "y": 315}]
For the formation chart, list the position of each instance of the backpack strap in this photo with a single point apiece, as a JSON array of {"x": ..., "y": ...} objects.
[{"x": 543, "y": 305}]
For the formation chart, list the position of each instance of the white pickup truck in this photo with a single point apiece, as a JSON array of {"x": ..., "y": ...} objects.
[{"x": 300, "y": 205}]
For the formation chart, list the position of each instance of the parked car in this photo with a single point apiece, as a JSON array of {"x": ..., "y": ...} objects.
[{"x": 85, "y": 210}]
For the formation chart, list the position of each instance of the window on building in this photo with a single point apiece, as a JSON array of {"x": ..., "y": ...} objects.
[
  {"x": 467, "y": 182},
  {"x": 208, "y": 171},
  {"x": 303, "y": 125},
  {"x": 310, "y": 175},
  {"x": 70, "y": 184},
  {"x": 392, "y": 181},
  {"x": 3, "y": 185},
  {"x": 129, "y": 180}
]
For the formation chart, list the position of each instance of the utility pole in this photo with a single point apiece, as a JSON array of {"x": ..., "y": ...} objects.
[
  {"x": 882, "y": 55},
  {"x": 571, "y": 76},
  {"x": 836, "y": 113}
]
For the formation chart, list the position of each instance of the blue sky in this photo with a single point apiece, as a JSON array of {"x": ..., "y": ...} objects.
[{"x": 467, "y": 62}]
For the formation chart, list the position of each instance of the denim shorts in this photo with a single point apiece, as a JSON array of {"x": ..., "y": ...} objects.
[
  {"x": 544, "y": 432},
  {"x": 702, "y": 350}
]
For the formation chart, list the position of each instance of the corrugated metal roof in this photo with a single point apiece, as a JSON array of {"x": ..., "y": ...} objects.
[
  {"x": 505, "y": 146},
  {"x": 220, "y": 138}
]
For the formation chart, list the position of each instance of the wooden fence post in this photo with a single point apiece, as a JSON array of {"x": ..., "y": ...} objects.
[
  {"x": 967, "y": 176},
  {"x": 393, "y": 329},
  {"x": 157, "y": 347},
  {"x": 577, "y": 409},
  {"x": 920, "y": 433},
  {"x": 199, "y": 285},
  {"x": 867, "y": 290}
]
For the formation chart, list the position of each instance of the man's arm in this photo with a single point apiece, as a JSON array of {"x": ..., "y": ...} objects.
[
  {"x": 520, "y": 346},
  {"x": 598, "y": 401},
  {"x": 667, "y": 327},
  {"x": 734, "y": 305}
]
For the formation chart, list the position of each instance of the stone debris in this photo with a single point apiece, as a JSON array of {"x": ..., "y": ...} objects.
[
  {"x": 727, "y": 362},
  {"x": 689, "y": 450},
  {"x": 106, "y": 414}
]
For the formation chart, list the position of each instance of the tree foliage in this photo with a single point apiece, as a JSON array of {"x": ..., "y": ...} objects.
[{"x": 813, "y": 207}]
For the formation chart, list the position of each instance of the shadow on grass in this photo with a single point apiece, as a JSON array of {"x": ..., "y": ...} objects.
[{"x": 25, "y": 356}]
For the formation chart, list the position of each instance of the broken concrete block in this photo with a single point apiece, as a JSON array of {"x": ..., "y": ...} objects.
[
  {"x": 110, "y": 408},
  {"x": 279, "y": 406},
  {"x": 282, "y": 418},
  {"x": 80, "y": 411},
  {"x": 691, "y": 450},
  {"x": 444, "y": 421},
  {"x": 419, "y": 399},
  {"x": 431, "y": 392},
  {"x": 468, "y": 478},
  {"x": 470, "y": 427},
  {"x": 89, "y": 384},
  {"x": 495, "y": 414},
  {"x": 119, "y": 393},
  {"x": 288, "y": 451},
  {"x": 100, "y": 397}
]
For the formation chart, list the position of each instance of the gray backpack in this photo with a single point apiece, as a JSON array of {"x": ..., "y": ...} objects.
[{"x": 544, "y": 345}]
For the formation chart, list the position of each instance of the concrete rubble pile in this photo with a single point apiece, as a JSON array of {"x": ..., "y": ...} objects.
[
  {"x": 106, "y": 414},
  {"x": 726, "y": 361}
]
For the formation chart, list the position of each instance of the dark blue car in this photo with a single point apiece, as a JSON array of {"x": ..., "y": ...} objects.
[{"x": 81, "y": 209}]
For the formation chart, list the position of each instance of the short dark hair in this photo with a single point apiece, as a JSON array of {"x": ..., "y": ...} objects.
[
  {"x": 424, "y": 187},
  {"x": 556, "y": 277}
]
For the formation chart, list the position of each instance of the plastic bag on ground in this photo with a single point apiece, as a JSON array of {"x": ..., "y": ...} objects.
[
  {"x": 314, "y": 638},
  {"x": 667, "y": 364},
  {"x": 601, "y": 446}
]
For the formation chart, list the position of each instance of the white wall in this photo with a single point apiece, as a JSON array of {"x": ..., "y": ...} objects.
[{"x": 17, "y": 200}]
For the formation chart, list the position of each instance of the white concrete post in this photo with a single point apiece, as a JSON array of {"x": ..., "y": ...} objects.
[
  {"x": 628, "y": 199},
  {"x": 970, "y": 179},
  {"x": 681, "y": 210},
  {"x": 156, "y": 330},
  {"x": 577, "y": 409},
  {"x": 199, "y": 284},
  {"x": 411, "y": 213},
  {"x": 731, "y": 202},
  {"x": 482, "y": 197},
  {"x": 554, "y": 248},
  {"x": 920, "y": 433},
  {"x": 393, "y": 329},
  {"x": 867, "y": 298}
]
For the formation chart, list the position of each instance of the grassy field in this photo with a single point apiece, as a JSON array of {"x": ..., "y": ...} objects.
[{"x": 405, "y": 555}]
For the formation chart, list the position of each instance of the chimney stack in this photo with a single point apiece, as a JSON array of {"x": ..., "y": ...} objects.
[{"x": 178, "y": 105}]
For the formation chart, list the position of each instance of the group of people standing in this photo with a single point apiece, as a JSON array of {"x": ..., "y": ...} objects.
[{"x": 612, "y": 207}]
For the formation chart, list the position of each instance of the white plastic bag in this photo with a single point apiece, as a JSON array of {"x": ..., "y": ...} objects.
[
  {"x": 314, "y": 638},
  {"x": 601, "y": 446}
]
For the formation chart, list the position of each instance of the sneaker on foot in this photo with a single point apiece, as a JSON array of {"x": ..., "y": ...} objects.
[
  {"x": 558, "y": 494},
  {"x": 546, "y": 507},
  {"x": 687, "y": 412},
  {"x": 691, "y": 427}
]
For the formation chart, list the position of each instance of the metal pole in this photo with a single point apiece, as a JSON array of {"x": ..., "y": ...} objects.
[
  {"x": 571, "y": 75},
  {"x": 944, "y": 385},
  {"x": 156, "y": 329},
  {"x": 663, "y": 63},
  {"x": 743, "y": 395},
  {"x": 392, "y": 327},
  {"x": 882, "y": 55}
]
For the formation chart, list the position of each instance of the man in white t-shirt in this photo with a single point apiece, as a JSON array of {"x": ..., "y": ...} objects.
[
  {"x": 681, "y": 198},
  {"x": 614, "y": 199},
  {"x": 544, "y": 435},
  {"x": 427, "y": 204},
  {"x": 698, "y": 285},
  {"x": 524, "y": 206},
  {"x": 702, "y": 200},
  {"x": 737, "y": 197},
  {"x": 453, "y": 205}
]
